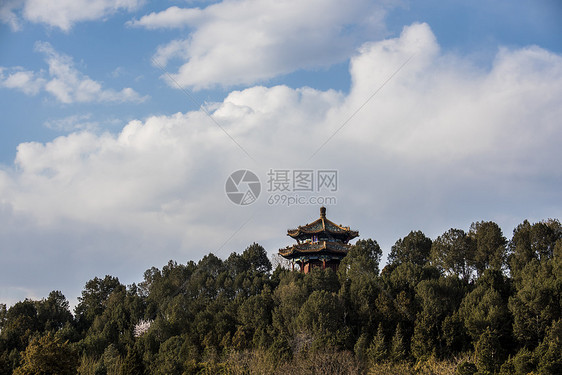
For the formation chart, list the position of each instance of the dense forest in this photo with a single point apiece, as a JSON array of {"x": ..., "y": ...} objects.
[{"x": 463, "y": 303}]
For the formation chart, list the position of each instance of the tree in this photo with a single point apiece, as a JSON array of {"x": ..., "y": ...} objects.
[
  {"x": 398, "y": 350},
  {"x": 20, "y": 323},
  {"x": 92, "y": 302},
  {"x": 322, "y": 316},
  {"x": 256, "y": 257},
  {"x": 438, "y": 299},
  {"x": 133, "y": 363},
  {"x": 536, "y": 304},
  {"x": 415, "y": 248},
  {"x": 453, "y": 252},
  {"x": 3, "y": 315},
  {"x": 488, "y": 352},
  {"x": 532, "y": 241},
  {"x": 490, "y": 249},
  {"x": 170, "y": 359},
  {"x": 378, "y": 351},
  {"x": 54, "y": 312},
  {"x": 548, "y": 352},
  {"x": 48, "y": 355},
  {"x": 486, "y": 306},
  {"x": 363, "y": 258}
]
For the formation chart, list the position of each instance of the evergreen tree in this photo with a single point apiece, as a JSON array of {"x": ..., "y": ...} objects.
[
  {"x": 453, "y": 252},
  {"x": 488, "y": 352},
  {"x": 398, "y": 349},
  {"x": 490, "y": 251},
  {"x": 414, "y": 248},
  {"x": 133, "y": 364},
  {"x": 48, "y": 355},
  {"x": 378, "y": 351}
]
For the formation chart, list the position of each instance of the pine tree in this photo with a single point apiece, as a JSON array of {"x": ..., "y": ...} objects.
[
  {"x": 398, "y": 346},
  {"x": 488, "y": 352},
  {"x": 133, "y": 364},
  {"x": 48, "y": 355},
  {"x": 377, "y": 351}
]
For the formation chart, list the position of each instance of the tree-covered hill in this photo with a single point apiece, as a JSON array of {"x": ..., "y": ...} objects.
[{"x": 464, "y": 302}]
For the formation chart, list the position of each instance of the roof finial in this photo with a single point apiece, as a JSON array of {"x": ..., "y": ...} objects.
[{"x": 323, "y": 212}]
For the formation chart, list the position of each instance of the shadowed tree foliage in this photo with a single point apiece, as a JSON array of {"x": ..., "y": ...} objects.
[
  {"x": 364, "y": 257},
  {"x": 414, "y": 248},
  {"x": 490, "y": 251},
  {"x": 453, "y": 252},
  {"x": 48, "y": 355},
  {"x": 532, "y": 241},
  {"x": 488, "y": 352},
  {"x": 92, "y": 301},
  {"x": 445, "y": 306}
]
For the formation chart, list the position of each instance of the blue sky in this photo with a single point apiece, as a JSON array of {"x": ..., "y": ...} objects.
[{"x": 450, "y": 112}]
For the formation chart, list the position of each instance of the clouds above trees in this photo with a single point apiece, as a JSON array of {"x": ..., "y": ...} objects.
[{"x": 441, "y": 127}]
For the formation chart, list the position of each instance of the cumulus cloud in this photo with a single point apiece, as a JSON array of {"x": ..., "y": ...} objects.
[
  {"x": 63, "y": 81},
  {"x": 23, "y": 80},
  {"x": 61, "y": 13},
  {"x": 243, "y": 42},
  {"x": 444, "y": 143}
]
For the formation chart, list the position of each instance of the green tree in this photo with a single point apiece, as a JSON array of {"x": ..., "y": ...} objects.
[
  {"x": 363, "y": 258},
  {"x": 48, "y": 355},
  {"x": 453, "y": 252},
  {"x": 532, "y": 241},
  {"x": 378, "y": 350},
  {"x": 398, "y": 349},
  {"x": 54, "y": 312},
  {"x": 549, "y": 351},
  {"x": 288, "y": 298},
  {"x": 438, "y": 299},
  {"x": 488, "y": 352},
  {"x": 414, "y": 248},
  {"x": 490, "y": 249},
  {"x": 487, "y": 306},
  {"x": 20, "y": 323},
  {"x": 256, "y": 257},
  {"x": 322, "y": 316},
  {"x": 170, "y": 359},
  {"x": 536, "y": 304},
  {"x": 133, "y": 363},
  {"x": 93, "y": 299},
  {"x": 3, "y": 315}
]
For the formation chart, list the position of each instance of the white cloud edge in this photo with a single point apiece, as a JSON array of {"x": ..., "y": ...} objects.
[
  {"x": 63, "y": 81},
  {"x": 62, "y": 14}
]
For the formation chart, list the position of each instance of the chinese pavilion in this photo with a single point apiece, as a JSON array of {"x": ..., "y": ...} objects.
[{"x": 320, "y": 244}]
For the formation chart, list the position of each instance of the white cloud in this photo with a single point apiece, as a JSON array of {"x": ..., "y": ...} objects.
[
  {"x": 8, "y": 14},
  {"x": 73, "y": 123},
  {"x": 442, "y": 144},
  {"x": 61, "y": 13},
  {"x": 64, "y": 81},
  {"x": 23, "y": 80},
  {"x": 171, "y": 18},
  {"x": 242, "y": 42}
]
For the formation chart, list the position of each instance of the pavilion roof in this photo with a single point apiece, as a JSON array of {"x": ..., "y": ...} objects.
[
  {"x": 321, "y": 247},
  {"x": 323, "y": 225}
]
